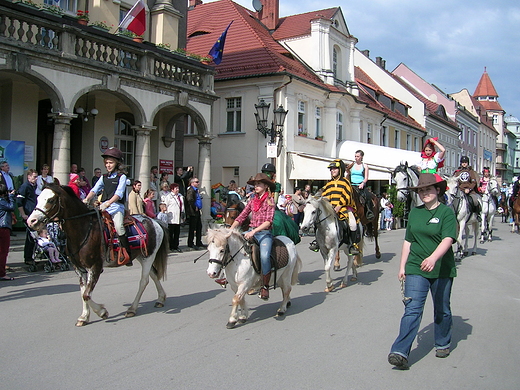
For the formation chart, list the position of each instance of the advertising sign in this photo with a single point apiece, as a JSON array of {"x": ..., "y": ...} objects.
[{"x": 13, "y": 152}]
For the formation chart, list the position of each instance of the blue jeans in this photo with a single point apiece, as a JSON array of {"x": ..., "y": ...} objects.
[
  {"x": 416, "y": 287},
  {"x": 265, "y": 241}
]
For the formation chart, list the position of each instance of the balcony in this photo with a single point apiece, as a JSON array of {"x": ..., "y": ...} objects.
[
  {"x": 32, "y": 36},
  {"x": 501, "y": 146}
]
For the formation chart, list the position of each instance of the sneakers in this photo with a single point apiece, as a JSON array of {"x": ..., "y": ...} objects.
[
  {"x": 398, "y": 361},
  {"x": 313, "y": 246},
  {"x": 442, "y": 353}
]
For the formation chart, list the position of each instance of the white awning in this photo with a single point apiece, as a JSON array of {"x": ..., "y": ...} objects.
[
  {"x": 303, "y": 166},
  {"x": 378, "y": 157}
]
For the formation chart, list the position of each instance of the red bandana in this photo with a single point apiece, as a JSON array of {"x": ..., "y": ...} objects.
[{"x": 257, "y": 202}]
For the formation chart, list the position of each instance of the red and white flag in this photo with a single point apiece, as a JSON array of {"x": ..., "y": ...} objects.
[{"x": 135, "y": 19}]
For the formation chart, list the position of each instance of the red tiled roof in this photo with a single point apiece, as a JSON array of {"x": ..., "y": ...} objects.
[
  {"x": 299, "y": 25},
  {"x": 364, "y": 81},
  {"x": 485, "y": 87},
  {"x": 491, "y": 106},
  {"x": 481, "y": 112},
  {"x": 249, "y": 51}
]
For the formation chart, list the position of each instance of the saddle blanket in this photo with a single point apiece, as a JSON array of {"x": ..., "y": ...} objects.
[
  {"x": 279, "y": 256},
  {"x": 136, "y": 233}
]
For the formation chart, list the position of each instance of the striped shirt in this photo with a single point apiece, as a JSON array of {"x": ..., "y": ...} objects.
[{"x": 339, "y": 192}]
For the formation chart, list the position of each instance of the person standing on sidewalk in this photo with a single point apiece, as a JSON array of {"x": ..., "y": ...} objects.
[
  {"x": 26, "y": 204},
  {"x": 7, "y": 204},
  {"x": 193, "y": 212},
  {"x": 427, "y": 264}
]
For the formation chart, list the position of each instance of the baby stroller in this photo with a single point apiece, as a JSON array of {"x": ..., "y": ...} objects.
[{"x": 56, "y": 237}]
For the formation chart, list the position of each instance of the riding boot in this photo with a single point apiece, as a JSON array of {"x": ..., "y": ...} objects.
[
  {"x": 354, "y": 239},
  {"x": 264, "y": 291},
  {"x": 125, "y": 250}
]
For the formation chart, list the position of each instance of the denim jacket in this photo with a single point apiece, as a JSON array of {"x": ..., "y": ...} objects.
[{"x": 6, "y": 209}]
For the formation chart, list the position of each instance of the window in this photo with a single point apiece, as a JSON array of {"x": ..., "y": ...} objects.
[
  {"x": 339, "y": 126},
  {"x": 369, "y": 133},
  {"x": 335, "y": 63},
  {"x": 66, "y": 5},
  {"x": 234, "y": 115},
  {"x": 124, "y": 139},
  {"x": 397, "y": 139},
  {"x": 302, "y": 128},
  {"x": 495, "y": 119},
  {"x": 416, "y": 144},
  {"x": 384, "y": 138},
  {"x": 408, "y": 142},
  {"x": 190, "y": 126},
  {"x": 318, "y": 122}
]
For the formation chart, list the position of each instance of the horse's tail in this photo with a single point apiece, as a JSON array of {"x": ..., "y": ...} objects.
[
  {"x": 296, "y": 270},
  {"x": 160, "y": 262}
]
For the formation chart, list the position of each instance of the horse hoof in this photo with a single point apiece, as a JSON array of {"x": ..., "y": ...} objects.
[
  {"x": 353, "y": 279},
  {"x": 242, "y": 320},
  {"x": 288, "y": 304},
  {"x": 482, "y": 241},
  {"x": 343, "y": 285},
  {"x": 337, "y": 268},
  {"x": 378, "y": 255},
  {"x": 465, "y": 254},
  {"x": 158, "y": 304},
  {"x": 473, "y": 253},
  {"x": 129, "y": 314},
  {"x": 104, "y": 316},
  {"x": 330, "y": 288},
  {"x": 81, "y": 323},
  {"x": 280, "y": 313},
  {"x": 230, "y": 325}
]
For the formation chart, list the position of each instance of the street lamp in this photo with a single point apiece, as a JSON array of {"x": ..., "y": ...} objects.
[{"x": 276, "y": 129}]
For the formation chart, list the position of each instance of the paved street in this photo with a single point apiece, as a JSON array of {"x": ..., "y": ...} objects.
[{"x": 335, "y": 340}]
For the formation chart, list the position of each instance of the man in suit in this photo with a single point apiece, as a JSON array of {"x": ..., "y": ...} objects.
[
  {"x": 26, "y": 204},
  {"x": 6, "y": 177},
  {"x": 193, "y": 212}
]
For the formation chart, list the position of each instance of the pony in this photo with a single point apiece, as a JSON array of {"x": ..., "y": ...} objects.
[
  {"x": 488, "y": 211},
  {"x": 229, "y": 251},
  {"x": 404, "y": 177},
  {"x": 466, "y": 219},
  {"x": 320, "y": 214},
  {"x": 88, "y": 252},
  {"x": 515, "y": 214}
]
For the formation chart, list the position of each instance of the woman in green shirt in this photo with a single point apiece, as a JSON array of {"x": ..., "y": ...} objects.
[{"x": 427, "y": 264}]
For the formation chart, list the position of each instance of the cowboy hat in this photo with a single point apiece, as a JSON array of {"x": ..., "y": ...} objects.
[
  {"x": 262, "y": 177},
  {"x": 430, "y": 179}
]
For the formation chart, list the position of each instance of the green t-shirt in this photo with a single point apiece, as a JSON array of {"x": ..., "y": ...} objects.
[{"x": 425, "y": 231}]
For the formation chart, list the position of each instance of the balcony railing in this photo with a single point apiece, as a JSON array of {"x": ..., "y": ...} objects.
[{"x": 61, "y": 38}]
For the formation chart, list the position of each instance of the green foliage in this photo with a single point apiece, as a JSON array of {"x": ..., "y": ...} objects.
[{"x": 398, "y": 210}]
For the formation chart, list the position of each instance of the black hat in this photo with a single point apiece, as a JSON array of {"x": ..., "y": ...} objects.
[
  {"x": 464, "y": 159},
  {"x": 267, "y": 167},
  {"x": 114, "y": 153}
]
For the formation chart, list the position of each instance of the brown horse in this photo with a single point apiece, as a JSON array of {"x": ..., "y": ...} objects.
[
  {"x": 370, "y": 226},
  {"x": 88, "y": 252},
  {"x": 515, "y": 213},
  {"x": 504, "y": 205}
]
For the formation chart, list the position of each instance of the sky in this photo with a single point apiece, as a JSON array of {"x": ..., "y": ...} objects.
[{"x": 446, "y": 42}]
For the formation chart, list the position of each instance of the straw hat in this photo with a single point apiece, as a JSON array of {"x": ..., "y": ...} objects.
[
  {"x": 430, "y": 179},
  {"x": 262, "y": 177}
]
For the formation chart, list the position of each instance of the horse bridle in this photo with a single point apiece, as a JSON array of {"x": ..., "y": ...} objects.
[{"x": 226, "y": 258}]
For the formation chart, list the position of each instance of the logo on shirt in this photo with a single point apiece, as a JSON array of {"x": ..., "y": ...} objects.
[
  {"x": 464, "y": 176},
  {"x": 434, "y": 220}
]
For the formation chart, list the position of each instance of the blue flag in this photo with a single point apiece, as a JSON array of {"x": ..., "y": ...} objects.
[{"x": 218, "y": 48}]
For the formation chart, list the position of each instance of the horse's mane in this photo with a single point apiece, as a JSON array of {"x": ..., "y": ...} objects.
[
  {"x": 220, "y": 236},
  {"x": 322, "y": 202},
  {"x": 68, "y": 191}
]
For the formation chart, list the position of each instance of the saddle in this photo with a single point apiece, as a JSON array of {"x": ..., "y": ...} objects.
[
  {"x": 135, "y": 232},
  {"x": 279, "y": 256}
]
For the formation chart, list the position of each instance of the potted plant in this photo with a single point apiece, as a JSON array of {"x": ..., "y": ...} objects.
[
  {"x": 29, "y": 3},
  {"x": 53, "y": 9},
  {"x": 82, "y": 17},
  {"x": 319, "y": 137},
  {"x": 302, "y": 134},
  {"x": 102, "y": 25},
  {"x": 130, "y": 34}
]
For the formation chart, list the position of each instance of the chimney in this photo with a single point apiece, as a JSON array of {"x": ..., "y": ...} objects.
[
  {"x": 366, "y": 53},
  {"x": 270, "y": 14},
  {"x": 193, "y": 3},
  {"x": 380, "y": 62}
]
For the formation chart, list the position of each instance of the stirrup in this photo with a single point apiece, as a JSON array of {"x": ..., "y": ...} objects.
[
  {"x": 369, "y": 214},
  {"x": 313, "y": 246},
  {"x": 353, "y": 249}
]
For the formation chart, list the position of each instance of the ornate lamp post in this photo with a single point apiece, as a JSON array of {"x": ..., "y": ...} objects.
[{"x": 276, "y": 129}]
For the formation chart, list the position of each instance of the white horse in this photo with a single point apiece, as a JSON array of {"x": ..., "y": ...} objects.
[
  {"x": 228, "y": 250},
  {"x": 319, "y": 213},
  {"x": 405, "y": 176},
  {"x": 488, "y": 211},
  {"x": 465, "y": 217}
]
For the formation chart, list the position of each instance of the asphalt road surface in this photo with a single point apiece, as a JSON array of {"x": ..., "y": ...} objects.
[{"x": 326, "y": 340}]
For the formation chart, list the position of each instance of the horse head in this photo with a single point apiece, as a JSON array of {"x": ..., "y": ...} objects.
[
  {"x": 48, "y": 208},
  {"x": 218, "y": 249},
  {"x": 493, "y": 187},
  {"x": 404, "y": 176}
]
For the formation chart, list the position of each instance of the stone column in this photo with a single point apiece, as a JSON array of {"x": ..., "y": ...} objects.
[
  {"x": 142, "y": 154},
  {"x": 61, "y": 146},
  {"x": 204, "y": 175}
]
